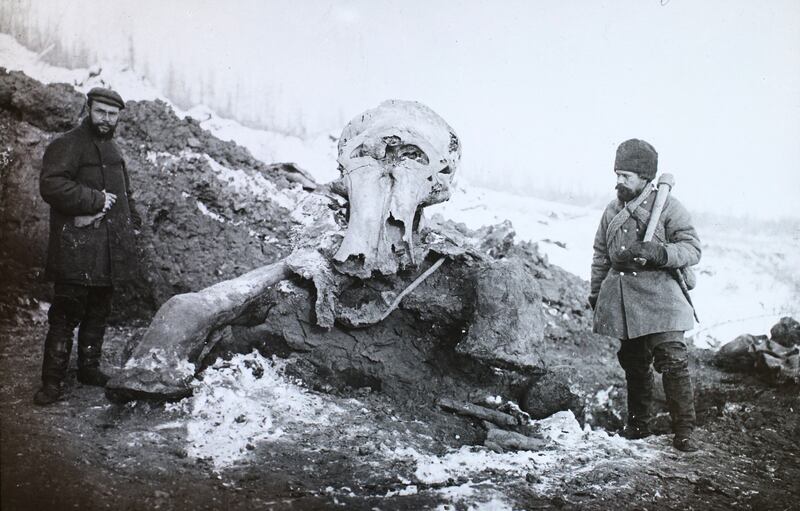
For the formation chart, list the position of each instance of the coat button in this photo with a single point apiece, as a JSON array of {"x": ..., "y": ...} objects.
[
  {"x": 622, "y": 247},
  {"x": 622, "y": 273},
  {"x": 634, "y": 274}
]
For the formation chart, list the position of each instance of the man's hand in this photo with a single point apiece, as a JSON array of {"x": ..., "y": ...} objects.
[
  {"x": 110, "y": 200},
  {"x": 655, "y": 254}
]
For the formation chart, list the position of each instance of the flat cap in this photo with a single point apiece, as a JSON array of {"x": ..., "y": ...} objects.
[{"x": 106, "y": 96}]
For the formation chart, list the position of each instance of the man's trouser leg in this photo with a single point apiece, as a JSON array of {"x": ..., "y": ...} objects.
[
  {"x": 635, "y": 358},
  {"x": 671, "y": 359},
  {"x": 90, "y": 335},
  {"x": 65, "y": 314}
]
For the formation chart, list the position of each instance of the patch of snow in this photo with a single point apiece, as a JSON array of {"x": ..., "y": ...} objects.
[
  {"x": 155, "y": 359},
  {"x": 460, "y": 492},
  {"x": 254, "y": 185},
  {"x": 408, "y": 490},
  {"x": 169, "y": 425},
  {"x": 603, "y": 396},
  {"x": 473, "y": 496},
  {"x": 572, "y": 451},
  {"x": 245, "y": 401},
  {"x": 317, "y": 155},
  {"x": 534, "y": 220},
  {"x": 206, "y": 212},
  {"x": 155, "y": 156}
]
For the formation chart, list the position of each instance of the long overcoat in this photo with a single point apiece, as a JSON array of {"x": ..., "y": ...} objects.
[
  {"x": 632, "y": 301},
  {"x": 76, "y": 167}
]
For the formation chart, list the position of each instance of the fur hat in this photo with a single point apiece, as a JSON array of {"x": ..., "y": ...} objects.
[
  {"x": 106, "y": 96},
  {"x": 637, "y": 156}
]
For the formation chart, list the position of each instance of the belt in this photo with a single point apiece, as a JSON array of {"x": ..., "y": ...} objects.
[{"x": 634, "y": 272}]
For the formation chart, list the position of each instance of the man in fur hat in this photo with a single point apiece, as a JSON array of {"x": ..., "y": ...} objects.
[
  {"x": 91, "y": 245},
  {"x": 643, "y": 305}
]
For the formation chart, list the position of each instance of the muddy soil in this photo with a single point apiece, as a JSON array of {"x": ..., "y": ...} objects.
[{"x": 87, "y": 453}]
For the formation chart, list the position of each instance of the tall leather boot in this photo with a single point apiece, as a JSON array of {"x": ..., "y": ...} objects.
[
  {"x": 90, "y": 336},
  {"x": 674, "y": 366},
  {"x": 640, "y": 397},
  {"x": 57, "y": 348},
  {"x": 680, "y": 403},
  {"x": 90, "y": 349}
]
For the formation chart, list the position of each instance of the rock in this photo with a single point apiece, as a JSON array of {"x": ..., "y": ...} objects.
[
  {"x": 737, "y": 355},
  {"x": 501, "y": 335},
  {"x": 550, "y": 394},
  {"x": 786, "y": 332}
]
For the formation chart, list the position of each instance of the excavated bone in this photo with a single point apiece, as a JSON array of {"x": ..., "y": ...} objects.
[
  {"x": 163, "y": 363},
  {"x": 395, "y": 160},
  {"x": 437, "y": 313},
  {"x": 500, "y": 440},
  {"x": 478, "y": 412}
]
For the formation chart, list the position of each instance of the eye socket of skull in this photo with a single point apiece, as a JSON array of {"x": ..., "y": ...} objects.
[{"x": 393, "y": 152}]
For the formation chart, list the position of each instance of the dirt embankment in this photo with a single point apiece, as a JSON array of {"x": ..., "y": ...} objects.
[{"x": 194, "y": 192}]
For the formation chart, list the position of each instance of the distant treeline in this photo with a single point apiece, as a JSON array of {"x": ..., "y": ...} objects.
[{"x": 48, "y": 28}]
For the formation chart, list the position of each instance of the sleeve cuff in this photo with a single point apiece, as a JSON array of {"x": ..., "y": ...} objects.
[{"x": 99, "y": 200}]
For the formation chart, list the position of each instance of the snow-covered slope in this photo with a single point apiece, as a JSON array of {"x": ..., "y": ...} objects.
[
  {"x": 747, "y": 280},
  {"x": 317, "y": 155}
]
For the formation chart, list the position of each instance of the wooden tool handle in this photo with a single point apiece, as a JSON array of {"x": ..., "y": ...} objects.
[{"x": 665, "y": 184}]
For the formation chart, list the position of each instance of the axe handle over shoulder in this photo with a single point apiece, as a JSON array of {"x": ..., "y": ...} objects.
[{"x": 665, "y": 184}]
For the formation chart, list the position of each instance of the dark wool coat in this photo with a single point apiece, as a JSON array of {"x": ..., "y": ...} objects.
[
  {"x": 632, "y": 302},
  {"x": 77, "y": 166}
]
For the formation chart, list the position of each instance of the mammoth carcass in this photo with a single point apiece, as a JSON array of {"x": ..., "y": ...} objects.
[{"x": 372, "y": 294}]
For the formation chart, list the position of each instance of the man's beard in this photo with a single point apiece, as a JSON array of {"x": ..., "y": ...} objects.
[
  {"x": 96, "y": 129},
  {"x": 624, "y": 193}
]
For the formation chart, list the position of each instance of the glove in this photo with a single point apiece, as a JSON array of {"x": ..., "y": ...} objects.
[
  {"x": 654, "y": 253},
  {"x": 593, "y": 301}
]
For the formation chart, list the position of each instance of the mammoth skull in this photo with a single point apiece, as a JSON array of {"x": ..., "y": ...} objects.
[{"x": 394, "y": 160}]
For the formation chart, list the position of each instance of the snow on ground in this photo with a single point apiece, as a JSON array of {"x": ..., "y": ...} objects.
[
  {"x": 249, "y": 185},
  {"x": 247, "y": 400},
  {"x": 317, "y": 155},
  {"x": 564, "y": 233},
  {"x": 572, "y": 451}
]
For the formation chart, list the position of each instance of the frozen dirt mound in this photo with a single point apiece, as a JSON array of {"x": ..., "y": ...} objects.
[{"x": 211, "y": 211}]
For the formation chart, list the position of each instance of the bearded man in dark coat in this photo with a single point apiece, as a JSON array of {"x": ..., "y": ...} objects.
[
  {"x": 91, "y": 245},
  {"x": 644, "y": 305}
]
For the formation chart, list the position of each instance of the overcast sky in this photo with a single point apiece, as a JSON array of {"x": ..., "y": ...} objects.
[{"x": 541, "y": 92}]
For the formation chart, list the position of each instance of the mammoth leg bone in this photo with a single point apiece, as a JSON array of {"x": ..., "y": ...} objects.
[{"x": 163, "y": 364}]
